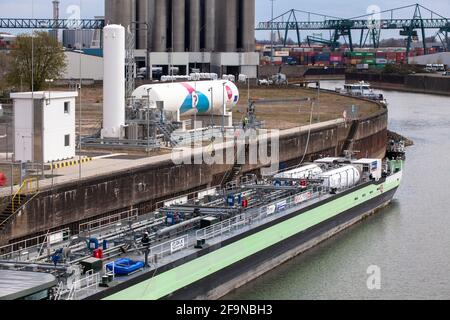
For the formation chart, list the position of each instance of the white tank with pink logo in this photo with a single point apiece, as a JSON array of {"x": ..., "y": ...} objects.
[{"x": 205, "y": 96}]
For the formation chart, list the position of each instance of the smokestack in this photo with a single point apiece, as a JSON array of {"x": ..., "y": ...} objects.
[{"x": 55, "y": 9}]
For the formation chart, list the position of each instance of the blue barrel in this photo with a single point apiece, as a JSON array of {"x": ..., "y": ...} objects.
[
  {"x": 230, "y": 200},
  {"x": 93, "y": 244},
  {"x": 105, "y": 244},
  {"x": 169, "y": 219}
]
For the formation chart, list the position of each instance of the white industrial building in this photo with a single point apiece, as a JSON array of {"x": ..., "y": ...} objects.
[
  {"x": 44, "y": 126},
  {"x": 217, "y": 62},
  {"x": 91, "y": 66}
]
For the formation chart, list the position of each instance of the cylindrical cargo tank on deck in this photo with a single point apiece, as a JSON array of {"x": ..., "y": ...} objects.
[
  {"x": 183, "y": 96},
  {"x": 114, "y": 81},
  {"x": 341, "y": 178},
  {"x": 308, "y": 171}
]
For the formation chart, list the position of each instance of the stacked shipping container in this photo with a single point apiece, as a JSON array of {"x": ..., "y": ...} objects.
[{"x": 321, "y": 56}]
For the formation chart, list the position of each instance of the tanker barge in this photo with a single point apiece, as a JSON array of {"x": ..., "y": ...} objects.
[{"x": 204, "y": 245}]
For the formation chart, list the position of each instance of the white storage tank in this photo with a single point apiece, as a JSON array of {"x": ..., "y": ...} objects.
[
  {"x": 343, "y": 177},
  {"x": 304, "y": 172},
  {"x": 113, "y": 81},
  {"x": 183, "y": 96}
]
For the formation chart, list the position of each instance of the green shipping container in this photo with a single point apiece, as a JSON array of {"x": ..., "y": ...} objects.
[
  {"x": 380, "y": 66},
  {"x": 368, "y": 61},
  {"x": 361, "y": 54}
]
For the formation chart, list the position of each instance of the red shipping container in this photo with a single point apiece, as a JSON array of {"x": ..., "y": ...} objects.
[
  {"x": 335, "y": 59},
  {"x": 380, "y": 55},
  {"x": 391, "y": 55},
  {"x": 401, "y": 56}
]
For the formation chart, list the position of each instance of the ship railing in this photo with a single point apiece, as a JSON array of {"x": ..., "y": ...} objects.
[
  {"x": 107, "y": 222},
  {"x": 282, "y": 205},
  {"x": 170, "y": 247},
  {"x": 24, "y": 249},
  {"x": 87, "y": 285},
  {"x": 257, "y": 216},
  {"x": 195, "y": 195},
  {"x": 225, "y": 226},
  {"x": 297, "y": 200}
]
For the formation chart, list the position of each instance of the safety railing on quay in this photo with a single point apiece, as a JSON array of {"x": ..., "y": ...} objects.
[{"x": 30, "y": 185}]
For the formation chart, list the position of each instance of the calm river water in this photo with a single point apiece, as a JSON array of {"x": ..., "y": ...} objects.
[{"x": 409, "y": 240}]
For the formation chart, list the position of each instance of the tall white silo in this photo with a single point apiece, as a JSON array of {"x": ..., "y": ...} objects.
[{"x": 113, "y": 81}]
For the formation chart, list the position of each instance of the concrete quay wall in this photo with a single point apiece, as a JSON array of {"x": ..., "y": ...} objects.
[{"x": 69, "y": 204}]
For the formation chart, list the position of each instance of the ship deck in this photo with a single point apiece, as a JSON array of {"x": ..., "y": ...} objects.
[{"x": 226, "y": 230}]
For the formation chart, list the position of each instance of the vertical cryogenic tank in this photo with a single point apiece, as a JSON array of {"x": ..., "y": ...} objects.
[{"x": 113, "y": 81}]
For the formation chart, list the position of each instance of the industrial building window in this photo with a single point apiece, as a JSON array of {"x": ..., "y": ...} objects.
[
  {"x": 67, "y": 140},
  {"x": 66, "y": 107}
]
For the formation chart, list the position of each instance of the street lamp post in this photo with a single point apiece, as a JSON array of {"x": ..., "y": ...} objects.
[
  {"x": 212, "y": 106},
  {"x": 148, "y": 119},
  {"x": 223, "y": 107},
  {"x": 148, "y": 69},
  {"x": 271, "y": 35}
]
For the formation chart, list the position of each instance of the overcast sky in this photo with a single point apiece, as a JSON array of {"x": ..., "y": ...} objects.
[{"x": 341, "y": 8}]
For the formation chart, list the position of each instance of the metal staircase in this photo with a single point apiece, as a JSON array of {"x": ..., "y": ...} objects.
[
  {"x": 167, "y": 130},
  {"x": 236, "y": 170},
  {"x": 348, "y": 144},
  {"x": 26, "y": 192}
]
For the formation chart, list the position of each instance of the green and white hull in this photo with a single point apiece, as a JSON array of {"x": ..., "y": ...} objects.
[{"x": 216, "y": 270}]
